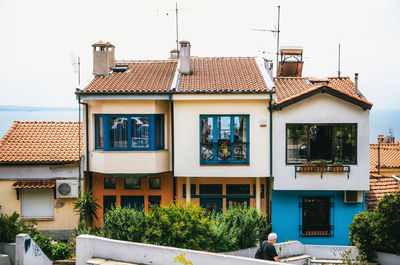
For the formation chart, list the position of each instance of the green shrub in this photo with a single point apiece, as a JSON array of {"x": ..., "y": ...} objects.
[
  {"x": 240, "y": 227},
  {"x": 10, "y": 226},
  {"x": 180, "y": 225},
  {"x": 86, "y": 207},
  {"x": 125, "y": 224},
  {"x": 378, "y": 230},
  {"x": 54, "y": 250}
]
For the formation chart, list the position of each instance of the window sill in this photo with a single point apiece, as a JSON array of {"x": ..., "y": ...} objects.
[
  {"x": 129, "y": 151},
  {"x": 223, "y": 165},
  {"x": 38, "y": 218}
]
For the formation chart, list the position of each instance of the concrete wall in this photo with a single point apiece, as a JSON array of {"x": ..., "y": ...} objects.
[
  {"x": 121, "y": 162},
  {"x": 8, "y": 249},
  {"x": 187, "y": 111},
  {"x": 28, "y": 253},
  {"x": 90, "y": 246},
  {"x": 38, "y": 172},
  {"x": 64, "y": 218},
  {"x": 321, "y": 108},
  {"x": 388, "y": 259},
  {"x": 286, "y": 217}
]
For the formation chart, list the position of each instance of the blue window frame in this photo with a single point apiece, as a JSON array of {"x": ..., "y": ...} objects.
[
  {"x": 122, "y": 132},
  {"x": 224, "y": 139}
]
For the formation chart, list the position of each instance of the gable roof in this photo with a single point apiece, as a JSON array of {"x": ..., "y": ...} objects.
[
  {"x": 41, "y": 143},
  {"x": 290, "y": 90},
  {"x": 208, "y": 75},
  {"x": 379, "y": 187},
  {"x": 389, "y": 156}
]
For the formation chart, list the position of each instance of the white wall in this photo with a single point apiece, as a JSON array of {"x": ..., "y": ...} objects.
[
  {"x": 39, "y": 172},
  {"x": 187, "y": 111},
  {"x": 322, "y": 108}
]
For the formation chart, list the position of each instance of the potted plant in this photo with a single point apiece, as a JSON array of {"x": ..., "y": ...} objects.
[
  {"x": 224, "y": 147},
  {"x": 307, "y": 167},
  {"x": 337, "y": 167},
  {"x": 321, "y": 166}
]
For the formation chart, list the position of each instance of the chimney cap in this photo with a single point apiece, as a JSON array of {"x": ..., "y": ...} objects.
[
  {"x": 184, "y": 42},
  {"x": 101, "y": 43},
  {"x": 174, "y": 51}
]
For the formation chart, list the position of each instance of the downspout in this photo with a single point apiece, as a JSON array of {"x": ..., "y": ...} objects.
[
  {"x": 270, "y": 109},
  {"x": 172, "y": 147},
  {"x": 87, "y": 139}
]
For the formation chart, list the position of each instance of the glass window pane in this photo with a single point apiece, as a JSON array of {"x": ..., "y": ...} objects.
[
  {"x": 316, "y": 216},
  {"x": 210, "y": 188},
  {"x": 140, "y": 132},
  {"x": 155, "y": 183},
  {"x": 237, "y": 188},
  {"x": 240, "y": 129},
  {"x": 132, "y": 182},
  {"x": 321, "y": 142},
  {"x": 206, "y": 130},
  {"x": 346, "y": 143},
  {"x": 296, "y": 143},
  {"x": 118, "y": 132},
  {"x": 154, "y": 201},
  {"x": 109, "y": 183},
  {"x": 224, "y": 128},
  {"x": 100, "y": 132},
  {"x": 159, "y": 129}
]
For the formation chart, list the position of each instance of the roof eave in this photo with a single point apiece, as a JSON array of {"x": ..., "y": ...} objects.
[{"x": 37, "y": 163}]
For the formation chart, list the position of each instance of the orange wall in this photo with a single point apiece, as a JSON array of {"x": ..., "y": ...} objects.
[
  {"x": 166, "y": 191},
  {"x": 224, "y": 181}
]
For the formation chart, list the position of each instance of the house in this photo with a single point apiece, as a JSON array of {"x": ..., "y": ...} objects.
[
  {"x": 321, "y": 121},
  {"x": 39, "y": 174},
  {"x": 189, "y": 129},
  {"x": 380, "y": 186}
]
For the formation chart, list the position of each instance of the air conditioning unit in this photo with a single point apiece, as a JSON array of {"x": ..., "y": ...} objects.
[
  {"x": 353, "y": 196},
  {"x": 66, "y": 188}
]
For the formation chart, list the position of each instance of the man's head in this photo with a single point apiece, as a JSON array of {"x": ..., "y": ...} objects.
[{"x": 272, "y": 238}]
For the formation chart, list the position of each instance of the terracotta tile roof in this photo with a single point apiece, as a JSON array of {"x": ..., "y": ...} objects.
[
  {"x": 389, "y": 156},
  {"x": 379, "y": 187},
  {"x": 153, "y": 76},
  {"x": 226, "y": 74},
  {"x": 41, "y": 142},
  {"x": 288, "y": 88},
  {"x": 34, "y": 184}
]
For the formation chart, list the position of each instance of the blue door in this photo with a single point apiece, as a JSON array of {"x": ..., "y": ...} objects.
[
  {"x": 211, "y": 204},
  {"x": 136, "y": 202}
]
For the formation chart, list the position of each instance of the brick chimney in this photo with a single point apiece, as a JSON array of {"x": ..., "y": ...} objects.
[
  {"x": 184, "y": 57},
  {"x": 381, "y": 137},
  {"x": 356, "y": 84},
  {"x": 103, "y": 58},
  {"x": 174, "y": 54}
]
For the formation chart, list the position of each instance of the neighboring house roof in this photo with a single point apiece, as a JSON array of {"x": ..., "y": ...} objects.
[
  {"x": 290, "y": 90},
  {"x": 208, "y": 75},
  {"x": 41, "y": 143},
  {"x": 379, "y": 187},
  {"x": 389, "y": 156},
  {"x": 34, "y": 184},
  {"x": 219, "y": 75}
]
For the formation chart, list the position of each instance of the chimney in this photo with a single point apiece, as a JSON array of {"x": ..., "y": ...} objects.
[
  {"x": 184, "y": 57},
  {"x": 174, "y": 54},
  {"x": 269, "y": 66},
  {"x": 291, "y": 63},
  {"x": 103, "y": 58},
  {"x": 381, "y": 137},
  {"x": 356, "y": 84}
]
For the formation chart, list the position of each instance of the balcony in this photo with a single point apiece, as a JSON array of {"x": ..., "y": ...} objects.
[
  {"x": 322, "y": 169},
  {"x": 224, "y": 153}
]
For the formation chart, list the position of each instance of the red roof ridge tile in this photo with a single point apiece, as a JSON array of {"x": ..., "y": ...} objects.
[{"x": 8, "y": 134}]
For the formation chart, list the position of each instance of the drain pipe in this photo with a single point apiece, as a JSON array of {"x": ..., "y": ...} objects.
[
  {"x": 270, "y": 109},
  {"x": 87, "y": 138},
  {"x": 172, "y": 147}
]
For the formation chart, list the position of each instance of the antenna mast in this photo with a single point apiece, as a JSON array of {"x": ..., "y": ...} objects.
[
  {"x": 339, "y": 63},
  {"x": 176, "y": 21},
  {"x": 277, "y": 40}
]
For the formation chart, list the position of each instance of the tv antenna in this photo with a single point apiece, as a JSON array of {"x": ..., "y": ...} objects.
[
  {"x": 276, "y": 32},
  {"x": 76, "y": 66},
  {"x": 338, "y": 72}
]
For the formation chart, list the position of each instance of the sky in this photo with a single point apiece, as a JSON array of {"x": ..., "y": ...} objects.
[{"x": 38, "y": 38}]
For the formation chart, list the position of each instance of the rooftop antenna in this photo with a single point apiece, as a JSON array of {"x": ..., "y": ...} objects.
[
  {"x": 338, "y": 72},
  {"x": 76, "y": 66},
  {"x": 276, "y": 32}
]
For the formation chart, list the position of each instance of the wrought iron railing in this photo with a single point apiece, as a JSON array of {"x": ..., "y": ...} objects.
[
  {"x": 224, "y": 153},
  {"x": 320, "y": 169}
]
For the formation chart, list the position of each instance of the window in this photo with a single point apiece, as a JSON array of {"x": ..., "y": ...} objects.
[
  {"x": 120, "y": 132},
  {"x": 210, "y": 188},
  {"x": 154, "y": 201},
  {"x": 232, "y": 202},
  {"x": 224, "y": 139},
  {"x": 316, "y": 216},
  {"x": 238, "y": 189},
  {"x": 331, "y": 142},
  {"x": 155, "y": 183},
  {"x": 108, "y": 203},
  {"x": 37, "y": 203},
  {"x": 132, "y": 182},
  {"x": 109, "y": 183}
]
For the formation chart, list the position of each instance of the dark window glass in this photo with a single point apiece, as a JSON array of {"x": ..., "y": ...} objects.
[
  {"x": 136, "y": 202},
  {"x": 108, "y": 203},
  {"x": 155, "y": 183},
  {"x": 210, "y": 188},
  {"x": 238, "y": 189},
  {"x": 316, "y": 216},
  {"x": 109, "y": 183},
  {"x": 154, "y": 201},
  {"x": 140, "y": 132},
  {"x": 192, "y": 189},
  {"x": 231, "y": 202},
  {"x": 159, "y": 129},
  {"x": 207, "y": 146},
  {"x": 132, "y": 182},
  {"x": 100, "y": 132},
  {"x": 330, "y": 142},
  {"x": 296, "y": 143},
  {"x": 118, "y": 132}
]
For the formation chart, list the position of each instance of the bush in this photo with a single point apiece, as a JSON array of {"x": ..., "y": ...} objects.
[
  {"x": 240, "y": 227},
  {"x": 10, "y": 226},
  {"x": 180, "y": 225},
  {"x": 54, "y": 250},
  {"x": 378, "y": 230},
  {"x": 125, "y": 224}
]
